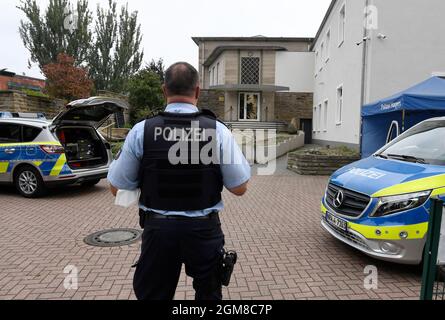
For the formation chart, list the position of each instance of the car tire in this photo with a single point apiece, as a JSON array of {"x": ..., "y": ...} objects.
[
  {"x": 90, "y": 183},
  {"x": 29, "y": 182}
]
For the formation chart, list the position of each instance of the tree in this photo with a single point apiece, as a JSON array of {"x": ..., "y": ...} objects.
[
  {"x": 145, "y": 94},
  {"x": 158, "y": 68},
  {"x": 113, "y": 54},
  {"x": 65, "y": 80},
  {"x": 116, "y": 54},
  {"x": 60, "y": 30},
  {"x": 100, "y": 55}
]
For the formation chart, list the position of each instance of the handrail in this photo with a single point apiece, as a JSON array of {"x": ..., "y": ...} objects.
[{"x": 108, "y": 128}]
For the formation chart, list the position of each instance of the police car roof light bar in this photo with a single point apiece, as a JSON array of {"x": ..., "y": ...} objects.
[{"x": 22, "y": 115}]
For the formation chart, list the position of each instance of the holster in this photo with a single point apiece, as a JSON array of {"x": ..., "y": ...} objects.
[
  {"x": 229, "y": 259},
  {"x": 142, "y": 217}
]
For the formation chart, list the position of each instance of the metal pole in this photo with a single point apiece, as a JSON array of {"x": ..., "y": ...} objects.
[
  {"x": 403, "y": 120},
  {"x": 364, "y": 75},
  {"x": 431, "y": 250}
]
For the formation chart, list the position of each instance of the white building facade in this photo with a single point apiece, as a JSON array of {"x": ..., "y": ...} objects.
[{"x": 366, "y": 50}]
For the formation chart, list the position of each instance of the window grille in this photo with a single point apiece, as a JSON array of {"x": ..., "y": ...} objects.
[{"x": 250, "y": 70}]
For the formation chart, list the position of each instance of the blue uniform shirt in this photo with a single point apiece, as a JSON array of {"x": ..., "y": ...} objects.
[{"x": 124, "y": 172}]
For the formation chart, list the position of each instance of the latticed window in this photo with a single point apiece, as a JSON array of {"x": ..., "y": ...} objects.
[{"x": 250, "y": 70}]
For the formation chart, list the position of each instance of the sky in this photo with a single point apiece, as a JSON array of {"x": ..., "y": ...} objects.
[{"x": 168, "y": 25}]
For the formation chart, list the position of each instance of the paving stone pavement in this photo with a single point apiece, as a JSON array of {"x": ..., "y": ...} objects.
[{"x": 275, "y": 228}]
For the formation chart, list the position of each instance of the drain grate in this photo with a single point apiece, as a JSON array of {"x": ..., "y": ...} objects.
[{"x": 113, "y": 238}]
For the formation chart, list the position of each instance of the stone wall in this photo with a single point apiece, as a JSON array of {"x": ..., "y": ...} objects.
[
  {"x": 289, "y": 105},
  {"x": 317, "y": 165},
  {"x": 214, "y": 101},
  {"x": 15, "y": 101}
]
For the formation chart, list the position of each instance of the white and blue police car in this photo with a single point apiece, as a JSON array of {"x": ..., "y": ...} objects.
[
  {"x": 37, "y": 154},
  {"x": 380, "y": 205}
]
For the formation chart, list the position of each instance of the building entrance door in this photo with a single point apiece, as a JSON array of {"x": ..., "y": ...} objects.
[
  {"x": 306, "y": 126},
  {"x": 249, "y": 106}
]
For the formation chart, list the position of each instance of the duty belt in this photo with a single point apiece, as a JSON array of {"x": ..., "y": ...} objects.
[{"x": 153, "y": 215}]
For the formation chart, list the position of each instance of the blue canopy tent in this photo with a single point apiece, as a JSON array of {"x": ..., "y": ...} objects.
[{"x": 420, "y": 102}]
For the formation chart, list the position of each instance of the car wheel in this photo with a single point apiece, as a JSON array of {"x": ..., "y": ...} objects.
[
  {"x": 90, "y": 183},
  {"x": 29, "y": 182}
]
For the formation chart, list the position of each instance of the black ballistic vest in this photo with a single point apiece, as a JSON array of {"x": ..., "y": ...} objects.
[{"x": 187, "y": 186}]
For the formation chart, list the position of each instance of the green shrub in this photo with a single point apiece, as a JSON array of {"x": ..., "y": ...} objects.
[
  {"x": 341, "y": 151},
  {"x": 33, "y": 93},
  {"x": 116, "y": 147},
  {"x": 145, "y": 94}
]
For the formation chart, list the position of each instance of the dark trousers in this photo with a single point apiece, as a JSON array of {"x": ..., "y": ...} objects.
[{"x": 167, "y": 244}]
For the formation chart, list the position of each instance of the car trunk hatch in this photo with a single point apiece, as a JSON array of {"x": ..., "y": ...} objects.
[{"x": 92, "y": 112}]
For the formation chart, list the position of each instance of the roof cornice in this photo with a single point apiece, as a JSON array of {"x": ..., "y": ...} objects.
[
  {"x": 218, "y": 50},
  {"x": 198, "y": 40},
  {"x": 325, "y": 20}
]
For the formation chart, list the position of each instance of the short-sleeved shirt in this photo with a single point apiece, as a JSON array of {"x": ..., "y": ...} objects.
[{"x": 124, "y": 172}]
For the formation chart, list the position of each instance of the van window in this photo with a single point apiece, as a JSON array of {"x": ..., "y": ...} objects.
[
  {"x": 10, "y": 133},
  {"x": 424, "y": 141},
  {"x": 30, "y": 133}
]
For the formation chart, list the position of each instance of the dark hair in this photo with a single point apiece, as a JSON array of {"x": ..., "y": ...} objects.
[{"x": 181, "y": 79}]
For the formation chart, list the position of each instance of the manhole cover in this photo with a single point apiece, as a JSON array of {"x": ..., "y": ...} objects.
[{"x": 113, "y": 238}]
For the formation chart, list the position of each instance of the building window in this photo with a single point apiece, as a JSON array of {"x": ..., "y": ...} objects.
[
  {"x": 322, "y": 53},
  {"x": 10, "y": 133},
  {"x": 217, "y": 73},
  {"x": 325, "y": 116},
  {"x": 328, "y": 43},
  {"x": 213, "y": 77},
  {"x": 339, "y": 113},
  {"x": 342, "y": 25},
  {"x": 250, "y": 70},
  {"x": 315, "y": 118},
  {"x": 320, "y": 123},
  {"x": 316, "y": 63}
]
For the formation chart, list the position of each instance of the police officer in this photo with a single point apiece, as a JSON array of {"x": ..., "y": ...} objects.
[{"x": 180, "y": 190}]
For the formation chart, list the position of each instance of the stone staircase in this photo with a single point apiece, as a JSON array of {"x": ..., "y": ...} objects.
[{"x": 244, "y": 125}]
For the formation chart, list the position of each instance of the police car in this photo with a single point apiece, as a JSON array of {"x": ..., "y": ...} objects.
[
  {"x": 380, "y": 205},
  {"x": 36, "y": 154}
]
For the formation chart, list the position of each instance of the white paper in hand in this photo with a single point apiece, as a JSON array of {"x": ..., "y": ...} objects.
[{"x": 127, "y": 198}]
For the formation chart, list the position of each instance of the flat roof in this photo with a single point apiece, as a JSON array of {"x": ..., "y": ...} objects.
[
  {"x": 6, "y": 73},
  {"x": 218, "y": 50},
  {"x": 197, "y": 40},
  {"x": 249, "y": 87}
]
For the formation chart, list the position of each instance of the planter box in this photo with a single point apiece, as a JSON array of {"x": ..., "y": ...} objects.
[
  {"x": 318, "y": 165},
  {"x": 293, "y": 143}
]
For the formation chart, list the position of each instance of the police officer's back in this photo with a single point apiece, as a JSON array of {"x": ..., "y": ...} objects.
[{"x": 181, "y": 160}]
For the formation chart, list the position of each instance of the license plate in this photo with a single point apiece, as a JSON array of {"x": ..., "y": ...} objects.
[{"x": 337, "y": 222}]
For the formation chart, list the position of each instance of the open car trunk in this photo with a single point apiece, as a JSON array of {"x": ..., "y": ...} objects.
[{"x": 83, "y": 147}]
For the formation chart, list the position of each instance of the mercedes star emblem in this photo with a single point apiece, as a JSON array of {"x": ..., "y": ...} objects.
[{"x": 338, "y": 199}]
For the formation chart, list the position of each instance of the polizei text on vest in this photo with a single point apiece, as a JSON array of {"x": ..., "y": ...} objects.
[{"x": 191, "y": 134}]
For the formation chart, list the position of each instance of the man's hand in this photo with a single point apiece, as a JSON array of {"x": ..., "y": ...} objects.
[
  {"x": 240, "y": 191},
  {"x": 113, "y": 190}
]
